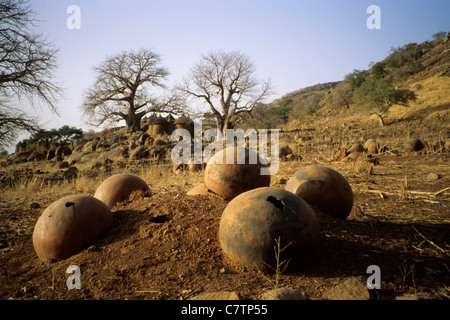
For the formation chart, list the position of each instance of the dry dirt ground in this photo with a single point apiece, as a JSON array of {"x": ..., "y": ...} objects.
[{"x": 166, "y": 246}]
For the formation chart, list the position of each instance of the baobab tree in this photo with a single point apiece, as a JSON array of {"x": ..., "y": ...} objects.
[
  {"x": 226, "y": 83},
  {"x": 123, "y": 90}
]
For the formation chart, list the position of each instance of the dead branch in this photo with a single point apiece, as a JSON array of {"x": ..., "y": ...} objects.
[{"x": 429, "y": 241}]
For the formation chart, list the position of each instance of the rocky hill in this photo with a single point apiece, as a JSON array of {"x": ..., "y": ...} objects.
[{"x": 430, "y": 81}]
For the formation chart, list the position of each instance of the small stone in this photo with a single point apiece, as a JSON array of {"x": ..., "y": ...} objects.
[
  {"x": 63, "y": 165},
  {"x": 71, "y": 173},
  {"x": 142, "y": 209},
  {"x": 285, "y": 294},
  {"x": 433, "y": 176},
  {"x": 35, "y": 205},
  {"x": 350, "y": 289},
  {"x": 200, "y": 189}
]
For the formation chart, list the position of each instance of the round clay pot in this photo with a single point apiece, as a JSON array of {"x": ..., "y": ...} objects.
[
  {"x": 119, "y": 188},
  {"x": 353, "y": 156},
  {"x": 230, "y": 180},
  {"x": 254, "y": 220},
  {"x": 447, "y": 145},
  {"x": 413, "y": 144},
  {"x": 69, "y": 224},
  {"x": 323, "y": 187},
  {"x": 356, "y": 147},
  {"x": 371, "y": 146}
]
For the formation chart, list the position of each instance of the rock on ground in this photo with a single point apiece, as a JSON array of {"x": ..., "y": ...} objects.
[
  {"x": 285, "y": 294},
  {"x": 350, "y": 289}
]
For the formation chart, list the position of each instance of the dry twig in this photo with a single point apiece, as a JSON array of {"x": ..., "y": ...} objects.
[{"x": 429, "y": 241}]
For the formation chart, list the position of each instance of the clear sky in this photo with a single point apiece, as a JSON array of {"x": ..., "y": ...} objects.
[{"x": 295, "y": 43}]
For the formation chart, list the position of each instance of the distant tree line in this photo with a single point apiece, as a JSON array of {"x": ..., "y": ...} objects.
[{"x": 65, "y": 134}]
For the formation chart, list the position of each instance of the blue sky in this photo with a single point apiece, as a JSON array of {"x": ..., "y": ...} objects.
[{"x": 294, "y": 43}]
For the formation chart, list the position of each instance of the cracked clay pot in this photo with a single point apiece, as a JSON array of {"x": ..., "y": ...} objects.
[
  {"x": 254, "y": 220},
  {"x": 69, "y": 224}
]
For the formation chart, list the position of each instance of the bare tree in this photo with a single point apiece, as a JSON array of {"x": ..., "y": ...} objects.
[
  {"x": 27, "y": 62},
  {"x": 121, "y": 90},
  {"x": 226, "y": 83},
  {"x": 13, "y": 121}
]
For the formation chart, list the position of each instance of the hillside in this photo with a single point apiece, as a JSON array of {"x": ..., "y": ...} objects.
[{"x": 430, "y": 82}]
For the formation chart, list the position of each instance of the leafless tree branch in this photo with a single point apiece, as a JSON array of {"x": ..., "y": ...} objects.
[
  {"x": 122, "y": 90},
  {"x": 27, "y": 62},
  {"x": 226, "y": 83}
]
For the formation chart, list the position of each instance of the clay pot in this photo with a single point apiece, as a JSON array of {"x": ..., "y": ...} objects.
[
  {"x": 353, "y": 156},
  {"x": 230, "y": 180},
  {"x": 323, "y": 187},
  {"x": 119, "y": 187},
  {"x": 413, "y": 144},
  {"x": 68, "y": 225},
  {"x": 447, "y": 145},
  {"x": 371, "y": 146},
  {"x": 356, "y": 147},
  {"x": 253, "y": 220}
]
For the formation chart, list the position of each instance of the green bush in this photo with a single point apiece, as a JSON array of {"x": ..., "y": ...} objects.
[
  {"x": 404, "y": 61},
  {"x": 63, "y": 134}
]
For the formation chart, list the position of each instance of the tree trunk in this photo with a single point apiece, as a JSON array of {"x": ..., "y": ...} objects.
[
  {"x": 133, "y": 123},
  {"x": 220, "y": 123}
]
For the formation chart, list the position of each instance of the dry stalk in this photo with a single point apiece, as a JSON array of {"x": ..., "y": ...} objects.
[
  {"x": 408, "y": 271},
  {"x": 405, "y": 194},
  {"x": 410, "y": 192},
  {"x": 280, "y": 265},
  {"x": 429, "y": 241}
]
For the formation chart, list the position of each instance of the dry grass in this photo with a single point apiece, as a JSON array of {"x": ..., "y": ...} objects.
[{"x": 433, "y": 99}]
